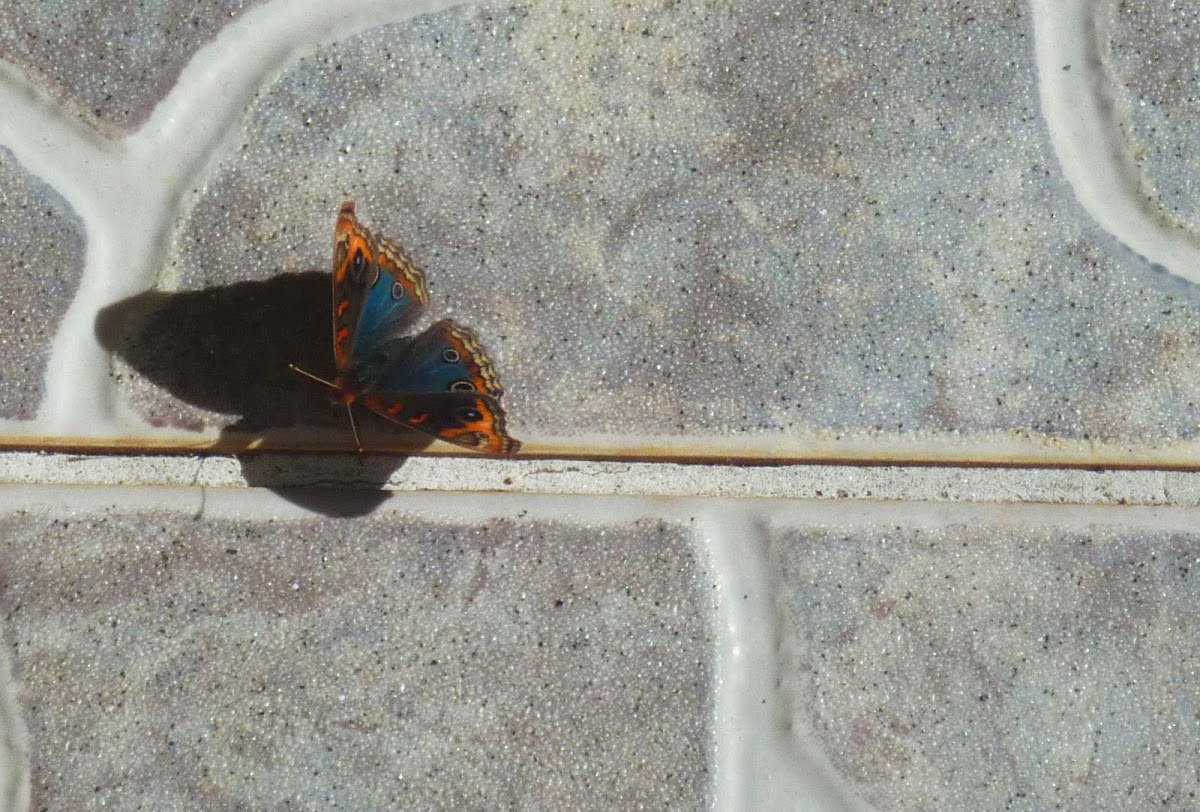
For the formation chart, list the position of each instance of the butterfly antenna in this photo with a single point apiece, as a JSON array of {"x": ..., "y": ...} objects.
[
  {"x": 311, "y": 376},
  {"x": 331, "y": 385}
]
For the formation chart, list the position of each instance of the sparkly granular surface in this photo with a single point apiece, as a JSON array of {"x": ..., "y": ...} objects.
[
  {"x": 722, "y": 221},
  {"x": 1153, "y": 51},
  {"x": 994, "y": 666},
  {"x": 111, "y": 62},
  {"x": 377, "y": 663},
  {"x": 41, "y": 263}
]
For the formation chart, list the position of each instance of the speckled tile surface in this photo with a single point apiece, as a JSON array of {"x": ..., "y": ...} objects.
[
  {"x": 179, "y": 648},
  {"x": 996, "y": 666},
  {"x": 679, "y": 230},
  {"x": 110, "y": 62},
  {"x": 944, "y": 255},
  {"x": 637, "y": 204},
  {"x": 1154, "y": 48},
  {"x": 170, "y": 660},
  {"x": 41, "y": 266}
]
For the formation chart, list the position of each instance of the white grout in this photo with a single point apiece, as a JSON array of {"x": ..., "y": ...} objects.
[
  {"x": 834, "y": 483},
  {"x": 1088, "y": 120},
  {"x": 129, "y": 192}
]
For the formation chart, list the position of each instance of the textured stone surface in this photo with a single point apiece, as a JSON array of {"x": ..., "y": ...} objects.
[
  {"x": 165, "y": 662},
  {"x": 712, "y": 222},
  {"x": 1153, "y": 51},
  {"x": 707, "y": 222},
  {"x": 41, "y": 263},
  {"x": 110, "y": 61},
  {"x": 991, "y": 666}
]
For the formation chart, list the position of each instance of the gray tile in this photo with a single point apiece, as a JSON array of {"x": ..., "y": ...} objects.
[
  {"x": 40, "y": 267},
  {"x": 1153, "y": 55},
  {"x": 110, "y": 61},
  {"x": 722, "y": 223},
  {"x": 993, "y": 664},
  {"x": 171, "y": 662}
]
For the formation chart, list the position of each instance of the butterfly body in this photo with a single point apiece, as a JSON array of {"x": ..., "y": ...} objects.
[{"x": 440, "y": 381}]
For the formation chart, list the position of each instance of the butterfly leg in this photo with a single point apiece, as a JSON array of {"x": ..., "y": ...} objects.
[
  {"x": 337, "y": 387},
  {"x": 353, "y": 428}
]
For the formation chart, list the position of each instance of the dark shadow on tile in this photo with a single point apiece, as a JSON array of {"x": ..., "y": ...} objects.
[
  {"x": 338, "y": 501},
  {"x": 227, "y": 349},
  {"x": 222, "y": 354}
]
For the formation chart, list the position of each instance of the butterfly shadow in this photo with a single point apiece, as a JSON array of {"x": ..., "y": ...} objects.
[{"x": 226, "y": 350}]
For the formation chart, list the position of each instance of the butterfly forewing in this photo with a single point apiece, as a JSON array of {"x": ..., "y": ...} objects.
[
  {"x": 378, "y": 293},
  {"x": 353, "y": 257}
]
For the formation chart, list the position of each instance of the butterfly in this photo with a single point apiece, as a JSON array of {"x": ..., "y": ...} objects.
[{"x": 440, "y": 381}]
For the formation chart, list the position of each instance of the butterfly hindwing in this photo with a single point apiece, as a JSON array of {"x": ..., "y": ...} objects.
[
  {"x": 470, "y": 419},
  {"x": 446, "y": 357},
  {"x": 378, "y": 292}
]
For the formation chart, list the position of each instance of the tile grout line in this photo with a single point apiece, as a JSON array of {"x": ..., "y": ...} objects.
[
  {"x": 753, "y": 722},
  {"x": 935, "y": 484},
  {"x": 130, "y": 190},
  {"x": 1088, "y": 123}
]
